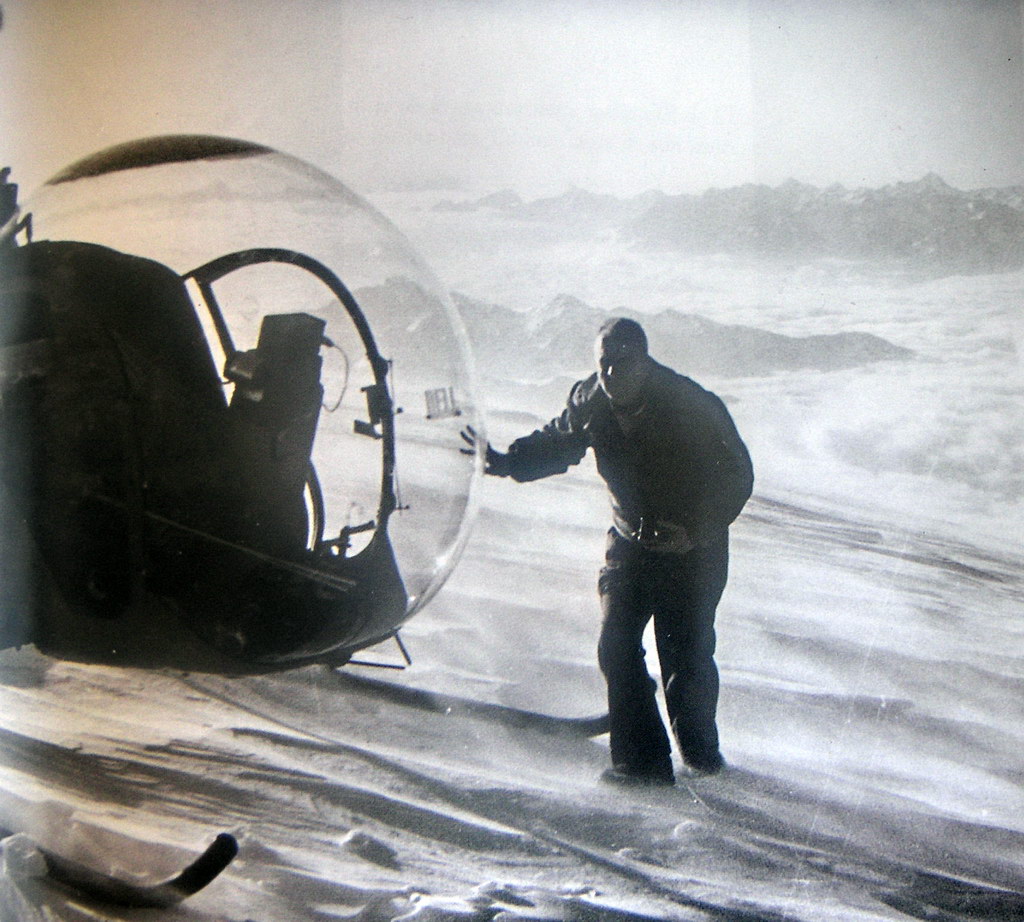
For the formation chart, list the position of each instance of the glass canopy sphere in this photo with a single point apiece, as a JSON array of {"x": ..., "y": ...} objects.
[{"x": 186, "y": 200}]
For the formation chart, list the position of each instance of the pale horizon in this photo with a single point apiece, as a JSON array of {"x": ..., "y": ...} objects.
[{"x": 611, "y": 97}]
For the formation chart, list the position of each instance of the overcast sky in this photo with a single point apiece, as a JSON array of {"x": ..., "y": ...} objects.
[{"x": 611, "y": 95}]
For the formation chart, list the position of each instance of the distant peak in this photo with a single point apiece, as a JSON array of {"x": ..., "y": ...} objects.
[
  {"x": 933, "y": 182},
  {"x": 566, "y": 300},
  {"x": 506, "y": 198},
  {"x": 794, "y": 185}
]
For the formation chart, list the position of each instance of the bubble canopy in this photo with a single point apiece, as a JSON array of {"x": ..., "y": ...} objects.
[{"x": 256, "y": 233}]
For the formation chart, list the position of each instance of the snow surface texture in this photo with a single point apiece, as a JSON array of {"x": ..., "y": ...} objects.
[{"x": 870, "y": 643}]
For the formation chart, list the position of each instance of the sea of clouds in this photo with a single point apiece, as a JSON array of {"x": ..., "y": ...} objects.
[{"x": 932, "y": 438}]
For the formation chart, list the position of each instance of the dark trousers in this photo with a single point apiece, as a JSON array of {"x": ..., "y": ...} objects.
[{"x": 681, "y": 593}]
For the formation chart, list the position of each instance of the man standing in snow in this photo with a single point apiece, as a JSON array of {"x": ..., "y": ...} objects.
[{"x": 678, "y": 474}]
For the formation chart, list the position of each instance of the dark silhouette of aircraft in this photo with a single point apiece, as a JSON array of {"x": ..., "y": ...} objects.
[{"x": 160, "y": 500}]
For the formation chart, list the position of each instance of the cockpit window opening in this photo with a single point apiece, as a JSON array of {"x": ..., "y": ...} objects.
[{"x": 234, "y": 364}]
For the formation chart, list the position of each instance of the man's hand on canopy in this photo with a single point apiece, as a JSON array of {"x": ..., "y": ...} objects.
[{"x": 495, "y": 462}]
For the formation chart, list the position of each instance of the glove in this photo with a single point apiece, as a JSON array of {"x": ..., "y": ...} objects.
[{"x": 495, "y": 462}]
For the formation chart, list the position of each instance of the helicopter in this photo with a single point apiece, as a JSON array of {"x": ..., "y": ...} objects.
[{"x": 230, "y": 398}]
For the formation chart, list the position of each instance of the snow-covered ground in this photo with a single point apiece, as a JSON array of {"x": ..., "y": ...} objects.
[{"x": 870, "y": 643}]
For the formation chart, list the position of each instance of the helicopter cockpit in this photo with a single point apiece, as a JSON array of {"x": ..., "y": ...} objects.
[{"x": 248, "y": 412}]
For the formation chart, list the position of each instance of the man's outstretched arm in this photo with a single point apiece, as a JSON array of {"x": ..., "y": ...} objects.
[{"x": 542, "y": 453}]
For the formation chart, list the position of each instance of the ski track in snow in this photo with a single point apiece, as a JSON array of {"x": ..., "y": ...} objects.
[{"x": 838, "y": 803}]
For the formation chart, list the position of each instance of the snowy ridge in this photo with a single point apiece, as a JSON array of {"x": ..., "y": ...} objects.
[{"x": 869, "y": 639}]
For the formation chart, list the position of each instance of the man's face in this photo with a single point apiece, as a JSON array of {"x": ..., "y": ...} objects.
[{"x": 622, "y": 369}]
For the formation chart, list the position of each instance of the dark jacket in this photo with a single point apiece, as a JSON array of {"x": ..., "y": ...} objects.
[{"x": 683, "y": 465}]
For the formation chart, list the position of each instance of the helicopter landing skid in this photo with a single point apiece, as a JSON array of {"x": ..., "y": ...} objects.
[
  {"x": 103, "y": 888},
  {"x": 518, "y": 718}
]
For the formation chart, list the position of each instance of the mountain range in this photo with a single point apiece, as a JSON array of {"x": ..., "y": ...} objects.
[
  {"x": 517, "y": 346},
  {"x": 926, "y": 225}
]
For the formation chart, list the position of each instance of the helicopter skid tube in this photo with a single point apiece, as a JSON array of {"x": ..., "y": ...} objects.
[
  {"x": 104, "y": 888},
  {"x": 518, "y": 718}
]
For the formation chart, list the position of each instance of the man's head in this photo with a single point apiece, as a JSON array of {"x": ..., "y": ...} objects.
[{"x": 623, "y": 364}]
